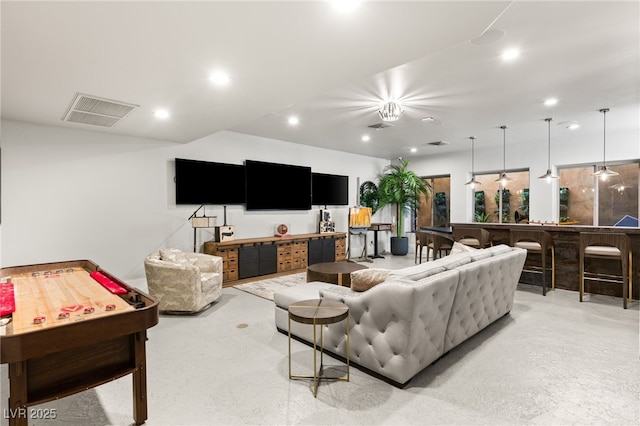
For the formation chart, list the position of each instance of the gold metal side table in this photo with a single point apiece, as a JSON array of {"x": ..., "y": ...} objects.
[{"x": 318, "y": 312}]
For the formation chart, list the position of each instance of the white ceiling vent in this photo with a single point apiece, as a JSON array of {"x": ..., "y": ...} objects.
[
  {"x": 382, "y": 125},
  {"x": 87, "y": 109}
]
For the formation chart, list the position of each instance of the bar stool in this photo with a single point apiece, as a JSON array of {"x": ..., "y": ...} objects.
[
  {"x": 422, "y": 240},
  {"x": 608, "y": 246},
  {"x": 439, "y": 243},
  {"x": 537, "y": 242},
  {"x": 471, "y": 236}
]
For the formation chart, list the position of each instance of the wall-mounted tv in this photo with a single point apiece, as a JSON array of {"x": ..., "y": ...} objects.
[
  {"x": 204, "y": 182},
  {"x": 272, "y": 186},
  {"x": 329, "y": 189}
]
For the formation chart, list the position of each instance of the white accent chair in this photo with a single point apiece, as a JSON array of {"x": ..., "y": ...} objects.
[{"x": 183, "y": 282}]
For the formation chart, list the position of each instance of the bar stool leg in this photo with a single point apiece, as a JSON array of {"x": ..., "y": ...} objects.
[
  {"x": 543, "y": 255},
  {"x": 553, "y": 268},
  {"x": 581, "y": 275}
]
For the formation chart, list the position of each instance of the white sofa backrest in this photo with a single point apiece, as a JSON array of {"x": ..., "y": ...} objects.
[{"x": 485, "y": 292}]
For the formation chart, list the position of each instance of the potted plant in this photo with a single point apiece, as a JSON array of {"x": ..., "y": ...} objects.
[{"x": 400, "y": 186}]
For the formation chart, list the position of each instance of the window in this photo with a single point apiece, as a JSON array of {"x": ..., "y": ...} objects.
[
  {"x": 514, "y": 206},
  {"x": 587, "y": 200},
  {"x": 436, "y": 210}
]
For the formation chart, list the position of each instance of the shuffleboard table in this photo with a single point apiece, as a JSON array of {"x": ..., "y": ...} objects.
[{"x": 74, "y": 326}]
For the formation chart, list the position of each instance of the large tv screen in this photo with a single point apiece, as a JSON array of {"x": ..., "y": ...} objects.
[
  {"x": 204, "y": 182},
  {"x": 329, "y": 189},
  {"x": 272, "y": 186}
]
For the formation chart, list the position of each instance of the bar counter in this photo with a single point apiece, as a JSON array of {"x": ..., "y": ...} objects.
[{"x": 566, "y": 239}]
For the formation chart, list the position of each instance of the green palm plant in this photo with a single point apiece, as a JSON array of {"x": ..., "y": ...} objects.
[{"x": 400, "y": 186}]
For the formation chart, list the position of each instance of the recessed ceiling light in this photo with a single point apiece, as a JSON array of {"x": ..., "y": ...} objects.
[
  {"x": 345, "y": 6},
  {"x": 550, "y": 102},
  {"x": 510, "y": 54},
  {"x": 161, "y": 114},
  {"x": 427, "y": 119},
  {"x": 414, "y": 149},
  {"x": 571, "y": 125},
  {"x": 366, "y": 138},
  {"x": 293, "y": 120},
  {"x": 219, "y": 78}
]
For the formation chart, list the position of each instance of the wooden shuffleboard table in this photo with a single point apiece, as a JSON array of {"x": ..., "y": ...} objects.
[{"x": 73, "y": 326}]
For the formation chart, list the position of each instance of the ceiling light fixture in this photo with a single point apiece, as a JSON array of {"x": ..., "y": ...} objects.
[
  {"x": 502, "y": 177},
  {"x": 550, "y": 102},
  {"x": 414, "y": 149},
  {"x": 220, "y": 78},
  {"x": 604, "y": 171},
  {"x": 510, "y": 54},
  {"x": 161, "y": 114},
  {"x": 472, "y": 182},
  {"x": 366, "y": 138},
  {"x": 293, "y": 120},
  {"x": 573, "y": 126},
  {"x": 391, "y": 111},
  {"x": 548, "y": 176},
  {"x": 428, "y": 119},
  {"x": 345, "y": 6}
]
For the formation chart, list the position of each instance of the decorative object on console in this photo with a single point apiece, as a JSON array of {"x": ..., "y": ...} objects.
[
  {"x": 326, "y": 222},
  {"x": 225, "y": 232},
  {"x": 282, "y": 230},
  {"x": 404, "y": 188},
  {"x": 359, "y": 223}
]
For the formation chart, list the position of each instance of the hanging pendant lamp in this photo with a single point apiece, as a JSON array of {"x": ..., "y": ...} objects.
[
  {"x": 604, "y": 171},
  {"x": 502, "y": 177},
  {"x": 473, "y": 182},
  {"x": 548, "y": 176}
]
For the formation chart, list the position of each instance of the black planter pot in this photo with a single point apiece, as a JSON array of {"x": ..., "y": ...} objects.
[{"x": 399, "y": 246}]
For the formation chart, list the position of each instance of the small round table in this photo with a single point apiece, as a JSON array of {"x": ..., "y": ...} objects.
[
  {"x": 318, "y": 312},
  {"x": 333, "y": 272}
]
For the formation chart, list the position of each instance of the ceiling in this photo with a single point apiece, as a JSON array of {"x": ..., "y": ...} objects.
[{"x": 332, "y": 70}]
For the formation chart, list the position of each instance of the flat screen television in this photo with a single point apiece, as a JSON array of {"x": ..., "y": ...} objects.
[
  {"x": 329, "y": 189},
  {"x": 204, "y": 182},
  {"x": 272, "y": 186}
]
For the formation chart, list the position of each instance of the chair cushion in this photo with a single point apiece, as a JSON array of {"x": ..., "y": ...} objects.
[
  {"x": 469, "y": 242},
  {"x": 364, "y": 279},
  {"x": 605, "y": 251},
  {"x": 528, "y": 245}
]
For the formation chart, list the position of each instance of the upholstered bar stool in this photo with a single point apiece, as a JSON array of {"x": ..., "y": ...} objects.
[
  {"x": 422, "y": 240},
  {"x": 537, "y": 242},
  {"x": 471, "y": 236},
  {"x": 439, "y": 243},
  {"x": 615, "y": 246}
]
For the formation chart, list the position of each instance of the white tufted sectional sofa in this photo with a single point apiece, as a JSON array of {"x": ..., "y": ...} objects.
[{"x": 417, "y": 314}]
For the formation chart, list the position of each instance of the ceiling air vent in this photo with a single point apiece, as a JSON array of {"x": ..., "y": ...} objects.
[
  {"x": 381, "y": 125},
  {"x": 87, "y": 109},
  {"x": 438, "y": 143}
]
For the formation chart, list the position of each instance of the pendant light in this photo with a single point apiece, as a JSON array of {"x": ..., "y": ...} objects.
[
  {"x": 473, "y": 182},
  {"x": 391, "y": 111},
  {"x": 502, "y": 177},
  {"x": 604, "y": 171},
  {"x": 548, "y": 176}
]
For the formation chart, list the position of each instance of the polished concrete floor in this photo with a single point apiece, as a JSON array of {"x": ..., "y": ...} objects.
[{"x": 552, "y": 361}]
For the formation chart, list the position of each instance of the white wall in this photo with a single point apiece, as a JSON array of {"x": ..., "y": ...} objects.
[
  {"x": 76, "y": 194},
  {"x": 567, "y": 148}
]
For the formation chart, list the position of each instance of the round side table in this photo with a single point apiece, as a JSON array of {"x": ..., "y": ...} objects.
[{"x": 318, "y": 312}]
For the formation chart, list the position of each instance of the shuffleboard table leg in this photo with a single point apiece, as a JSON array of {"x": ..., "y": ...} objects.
[
  {"x": 18, "y": 394},
  {"x": 140, "y": 379}
]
